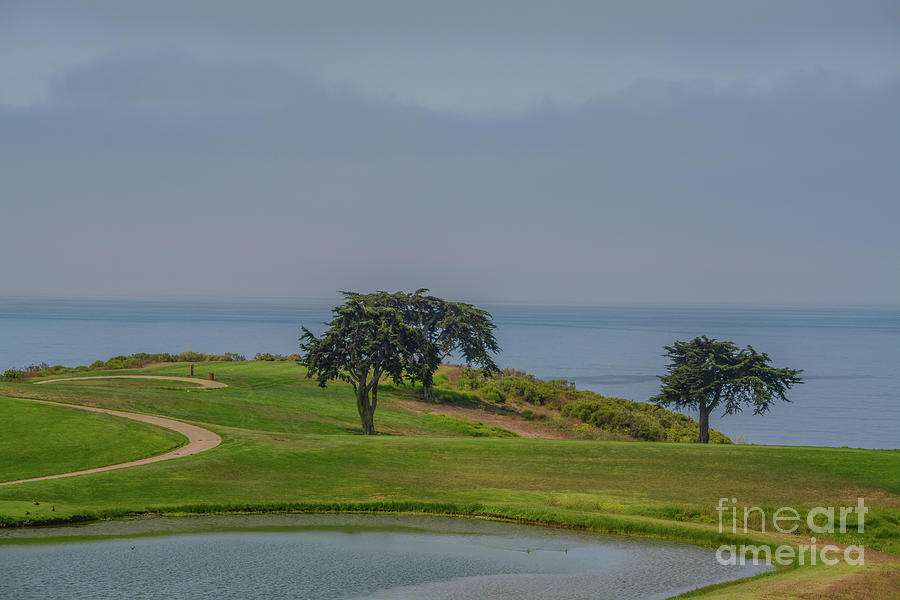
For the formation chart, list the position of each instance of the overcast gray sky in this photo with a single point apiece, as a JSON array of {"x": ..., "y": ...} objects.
[{"x": 589, "y": 152}]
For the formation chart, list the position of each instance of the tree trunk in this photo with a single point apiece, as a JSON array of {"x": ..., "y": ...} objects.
[
  {"x": 704, "y": 423},
  {"x": 368, "y": 425},
  {"x": 366, "y": 410},
  {"x": 428, "y": 392}
]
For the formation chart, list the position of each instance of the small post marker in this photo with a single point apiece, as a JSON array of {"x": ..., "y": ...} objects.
[
  {"x": 211, "y": 376},
  {"x": 192, "y": 369}
]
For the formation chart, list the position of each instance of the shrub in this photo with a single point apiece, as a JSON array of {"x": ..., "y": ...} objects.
[
  {"x": 639, "y": 420},
  {"x": 495, "y": 396},
  {"x": 584, "y": 431},
  {"x": 530, "y": 415},
  {"x": 12, "y": 375},
  {"x": 470, "y": 379},
  {"x": 532, "y": 390},
  {"x": 190, "y": 356},
  {"x": 265, "y": 356},
  {"x": 134, "y": 361},
  {"x": 451, "y": 396},
  {"x": 580, "y": 410}
]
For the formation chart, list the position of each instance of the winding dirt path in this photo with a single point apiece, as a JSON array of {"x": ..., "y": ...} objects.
[
  {"x": 206, "y": 383},
  {"x": 199, "y": 439}
]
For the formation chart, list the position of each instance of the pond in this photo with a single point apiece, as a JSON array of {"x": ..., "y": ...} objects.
[{"x": 334, "y": 556}]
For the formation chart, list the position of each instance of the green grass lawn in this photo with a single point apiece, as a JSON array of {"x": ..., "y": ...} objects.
[
  {"x": 288, "y": 444},
  {"x": 40, "y": 439}
]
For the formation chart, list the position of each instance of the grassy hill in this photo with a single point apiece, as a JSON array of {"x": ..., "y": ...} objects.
[
  {"x": 45, "y": 439},
  {"x": 596, "y": 414},
  {"x": 290, "y": 445}
]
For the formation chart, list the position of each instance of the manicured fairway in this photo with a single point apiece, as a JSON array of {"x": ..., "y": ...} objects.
[
  {"x": 289, "y": 444},
  {"x": 43, "y": 440}
]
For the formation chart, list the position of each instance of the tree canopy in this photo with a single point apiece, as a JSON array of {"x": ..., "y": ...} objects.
[{"x": 706, "y": 374}]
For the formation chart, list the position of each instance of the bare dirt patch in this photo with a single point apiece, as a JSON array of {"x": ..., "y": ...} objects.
[{"x": 496, "y": 416}]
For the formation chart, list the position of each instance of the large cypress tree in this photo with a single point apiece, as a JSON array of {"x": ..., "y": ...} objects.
[
  {"x": 705, "y": 374},
  {"x": 397, "y": 335},
  {"x": 365, "y": 341}
]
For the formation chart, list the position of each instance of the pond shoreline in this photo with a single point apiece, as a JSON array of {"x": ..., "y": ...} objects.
[
  {"x": 561, "y": 557},
  {"x": 597, "y": 523}
]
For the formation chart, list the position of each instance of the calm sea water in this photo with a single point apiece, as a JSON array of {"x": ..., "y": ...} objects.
[
  {"x": 365, "y": 556},
  {"x": 851, "y": 357}
]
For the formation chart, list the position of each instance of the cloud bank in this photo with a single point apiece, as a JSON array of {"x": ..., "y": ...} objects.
[{"x": 243, "y": 155}]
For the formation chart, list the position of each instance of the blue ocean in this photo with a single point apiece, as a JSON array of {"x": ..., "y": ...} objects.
[{"x": 850, "y": 356}]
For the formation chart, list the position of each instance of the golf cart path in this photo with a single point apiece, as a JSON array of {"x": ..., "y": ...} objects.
[
  {"x": 199, "y": 439},
  {"x": 206, "y": 383}
]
